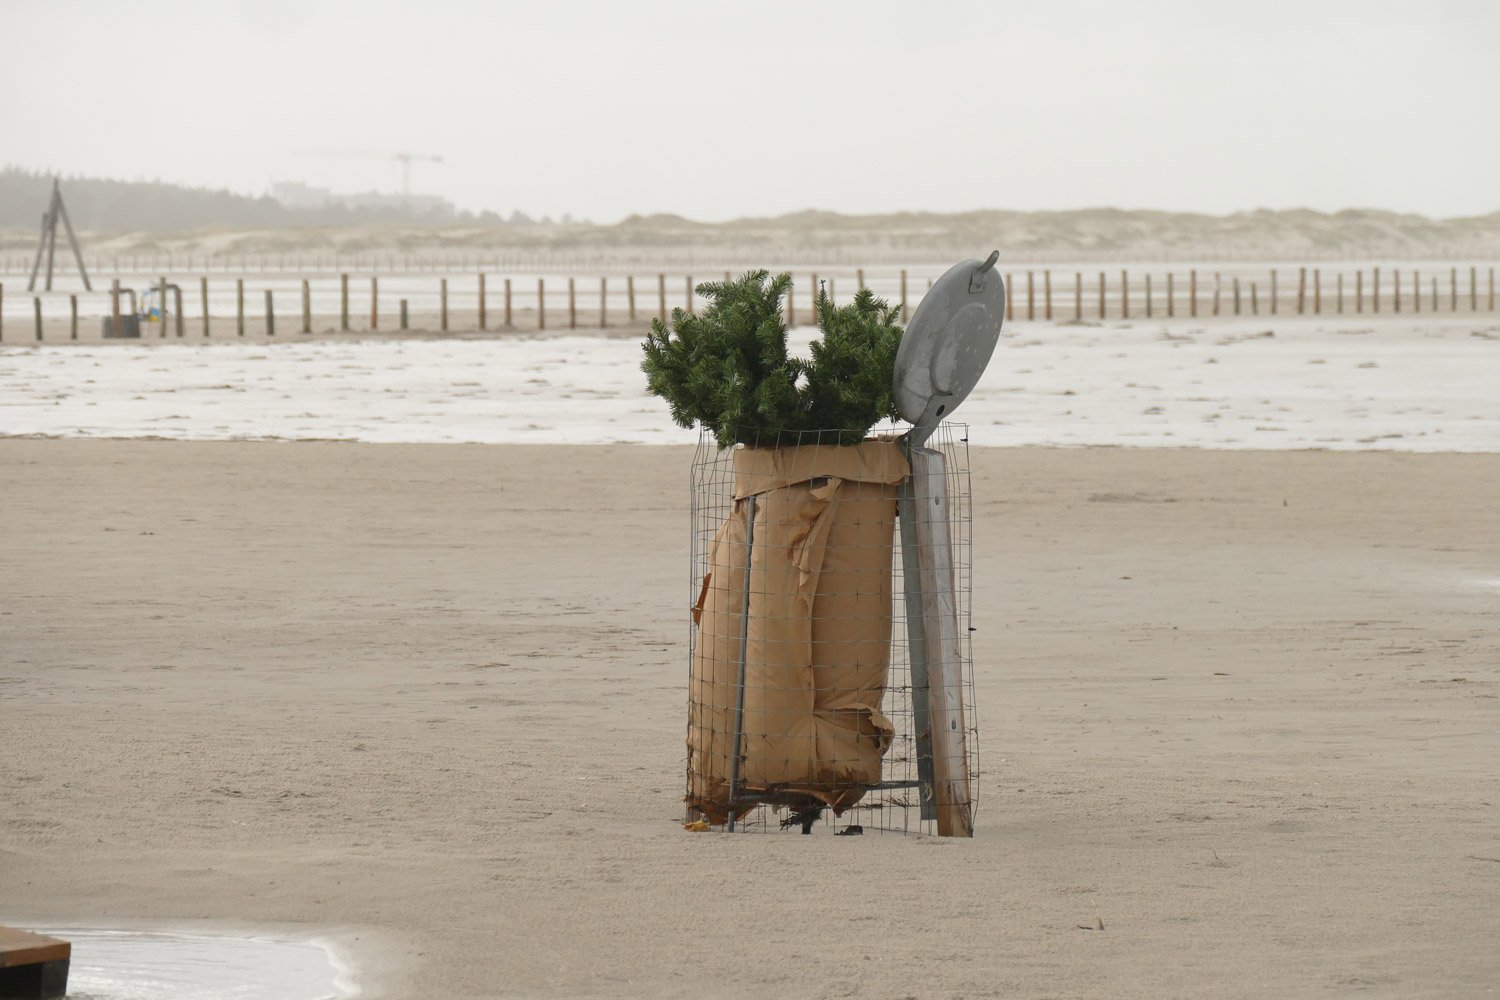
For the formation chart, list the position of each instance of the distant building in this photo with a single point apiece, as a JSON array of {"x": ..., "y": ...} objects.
[{"x": 298, "y": 195}]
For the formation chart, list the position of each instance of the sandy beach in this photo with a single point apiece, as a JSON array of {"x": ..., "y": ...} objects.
[{"x": 1238, "y": 716}]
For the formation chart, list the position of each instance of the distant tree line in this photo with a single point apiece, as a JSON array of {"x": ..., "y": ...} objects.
[{"x": 129, "y": 206}]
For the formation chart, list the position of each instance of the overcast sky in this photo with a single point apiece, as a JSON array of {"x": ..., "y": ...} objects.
[{"x": 716, "y": 110}]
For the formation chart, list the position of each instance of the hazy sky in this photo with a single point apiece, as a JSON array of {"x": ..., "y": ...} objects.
[{"x": 715, "y": 110}]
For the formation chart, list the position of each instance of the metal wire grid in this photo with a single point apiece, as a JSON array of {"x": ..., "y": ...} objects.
[{"x": 888, "y": 798}]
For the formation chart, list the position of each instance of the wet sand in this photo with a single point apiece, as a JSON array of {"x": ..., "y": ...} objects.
[{"x": 1237, "y": 709}]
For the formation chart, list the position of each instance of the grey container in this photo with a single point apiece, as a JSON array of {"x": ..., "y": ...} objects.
[{"x": 130, "y": 326}]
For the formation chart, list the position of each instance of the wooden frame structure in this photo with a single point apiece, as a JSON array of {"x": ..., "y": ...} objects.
[{"x": 48, "y": 242}]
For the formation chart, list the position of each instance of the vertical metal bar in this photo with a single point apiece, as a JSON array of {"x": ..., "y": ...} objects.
[
  {"x": 916, "y": 639},
  {"x": 739, "y": 699}
]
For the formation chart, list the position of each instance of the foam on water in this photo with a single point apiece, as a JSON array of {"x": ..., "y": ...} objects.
[
  {"x": 1411, "y": 386},
  {"x": 137, "y": 965}
]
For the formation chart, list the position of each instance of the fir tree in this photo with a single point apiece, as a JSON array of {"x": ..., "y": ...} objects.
[{"x": 728, "y": 368}]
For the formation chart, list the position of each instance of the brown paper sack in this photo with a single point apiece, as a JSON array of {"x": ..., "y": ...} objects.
[{"x": 819, "y": 633}]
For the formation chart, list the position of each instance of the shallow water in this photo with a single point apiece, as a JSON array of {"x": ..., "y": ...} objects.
[
  {"x": 140, "y": 965},
  {"x": 1408, "y": 386}
]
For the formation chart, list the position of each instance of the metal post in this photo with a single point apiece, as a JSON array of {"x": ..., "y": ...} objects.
[{"x": 739, "y": 700}]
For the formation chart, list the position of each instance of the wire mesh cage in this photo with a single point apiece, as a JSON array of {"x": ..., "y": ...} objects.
[{"x": 815, "y": 702}]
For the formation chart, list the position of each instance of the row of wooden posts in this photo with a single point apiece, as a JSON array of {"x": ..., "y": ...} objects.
[
  {"x": 1252, "y": 292},
  {"x": 1310, "y": 297},
  {"x": 164, "y": 288}
]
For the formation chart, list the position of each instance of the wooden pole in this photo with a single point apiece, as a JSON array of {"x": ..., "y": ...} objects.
[
  {"x": 1341, "y": 292},
  {"x": 1416, "y": 291},
  {"x": 630, "y": 297},
  {"x": 859, "y": 278},
  {"x": 403, "y": 314},
  {"x": 483, "y": 317},
  {"x": 572, "y": 306},
  {"x": 1301, "y": 290},
  {"x": 1124, "y": 294},
  {"x": 1236, "y": 294},
  {"x": 443, "y": 304},
  {"x": 1171, "y": 298},
  {"x": 1434, "y": 294},
  {"x": 374, "y": 302},
  {"x": 541, "y": 304},
  {"x": 177, "y": 316},
  {"x": 1193, "y": 293},
  {"x": 1453, "y": 289},
  {"x": 1396, "y": 289},
  {"x": 905, "y": 312},
  {"x": 603, "y": 304},
  {"x": 1148, "y": 296},
  {"x": 1275, "y": 293},
  {"x": 114, "y": 306},
  {"x": 1218, "y": 288},
  {"x": 661, "y": 297},
  {"x": 1078, "y": 296},
  {"x": 270, "y": 316},
  {"x": 1102, "y": 295},
  {"x": 203, "y": 300},
  {"x": 688, "y": 291},
  {"x": 507, "y": 303},
  {"x": 1317, "y": 292},
  {"x": 343, "y": 301},
  {"x": 1047, "y": 293},
  {"x": 52, "y": 235},
  {"x": 1254, "y": 300},
  {"x": 1375, "y": 290},
  {"x": 1359, "y": 291},
  {"x": 1030, "y": 295},
  {"x": 72, "y": 317},
  {"x": 1010, "y": 299},
  {"x": 1473, "y": 289},
  {"x": 36, "y": 310}
]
